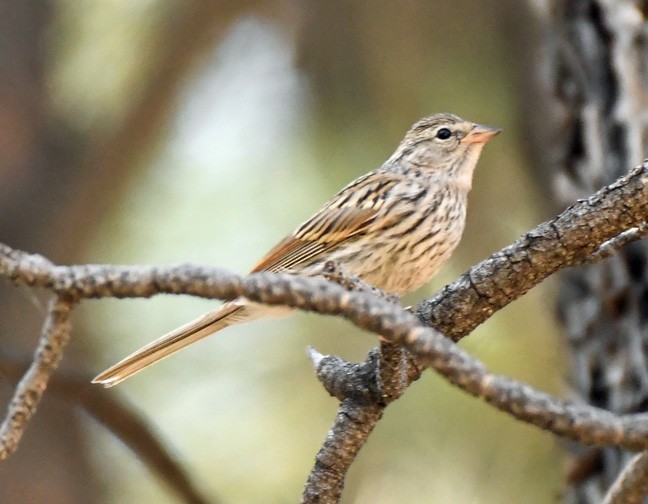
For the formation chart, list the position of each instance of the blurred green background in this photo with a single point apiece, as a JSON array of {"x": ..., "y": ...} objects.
[{"x": 205, "y": 132}]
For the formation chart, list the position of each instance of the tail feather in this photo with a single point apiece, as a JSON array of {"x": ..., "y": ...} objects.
[{"x": 215, "y": 320}]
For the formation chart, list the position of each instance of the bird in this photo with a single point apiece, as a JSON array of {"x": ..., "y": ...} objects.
[{"x": 393, "y": 228}]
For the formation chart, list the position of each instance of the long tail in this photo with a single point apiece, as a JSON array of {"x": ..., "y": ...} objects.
[{"x": 215, "y": 320}]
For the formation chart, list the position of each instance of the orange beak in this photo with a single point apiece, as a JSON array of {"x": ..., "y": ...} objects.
[{"x": 481, "y": 134}]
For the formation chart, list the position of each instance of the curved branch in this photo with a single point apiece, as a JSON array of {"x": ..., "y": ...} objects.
[
  {"x": 624, "y": 203},
  {"x": 578, "y": 234}
]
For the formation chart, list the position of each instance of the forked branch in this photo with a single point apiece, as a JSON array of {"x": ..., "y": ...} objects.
[{"x": 584, "y": 231}]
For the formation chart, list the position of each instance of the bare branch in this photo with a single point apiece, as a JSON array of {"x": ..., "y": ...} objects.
[
  {"x": 589, "y": 425},
  {"x": 460, "y": 307},
  {"x": 365, "y": 390},
  {"x": 353, "y": 422},
  {"x": 29, "y": 391},
  {"x": 586, "y": 424},
  {"x": 513, "y": 268},
  {"x": 567, "y": 240}
]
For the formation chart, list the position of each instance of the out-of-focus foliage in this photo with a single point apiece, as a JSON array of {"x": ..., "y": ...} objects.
[
  {"x": 267, "y": 127},
  {"x": 101, "y": 53}
]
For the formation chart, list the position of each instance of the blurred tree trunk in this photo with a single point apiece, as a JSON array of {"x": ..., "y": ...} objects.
[{"x": 594, "y": 69}]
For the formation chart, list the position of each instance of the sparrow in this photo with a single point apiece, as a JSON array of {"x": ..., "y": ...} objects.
[{"x": 393, "y": 228}]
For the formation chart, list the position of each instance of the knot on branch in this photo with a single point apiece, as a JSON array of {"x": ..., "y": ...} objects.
[
  {"x": 21, "y": 267},
  {"x": 379, "y": 380},
  {"x": 348, "y": 380},
  {"x": 334, "y": 272},
  {"x": 385, "y": 373}
]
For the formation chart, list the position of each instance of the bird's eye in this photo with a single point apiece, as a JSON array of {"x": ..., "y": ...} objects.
[{"x": 443, "y": 134}]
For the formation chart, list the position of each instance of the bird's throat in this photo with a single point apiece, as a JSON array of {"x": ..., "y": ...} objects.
[{"x": 462, "y": 175}]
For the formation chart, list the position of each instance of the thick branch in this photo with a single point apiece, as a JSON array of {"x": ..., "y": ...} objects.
[
  {"x": 364, "y": 390},
  {"x": 567, "y": 240},
  {"x": 340, "y": 448}
]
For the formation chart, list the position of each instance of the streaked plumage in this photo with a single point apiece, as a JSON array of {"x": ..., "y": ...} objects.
[{"x": 393, "y": 227}]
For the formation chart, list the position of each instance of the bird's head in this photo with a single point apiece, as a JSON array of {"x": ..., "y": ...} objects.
[{"x": 444, "y": 144}]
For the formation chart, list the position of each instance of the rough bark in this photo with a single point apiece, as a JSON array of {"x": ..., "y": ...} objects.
[{"x": 597, "y": 94}]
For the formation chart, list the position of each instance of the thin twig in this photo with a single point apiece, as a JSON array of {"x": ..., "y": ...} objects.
[{"x": 29, "y": 391}]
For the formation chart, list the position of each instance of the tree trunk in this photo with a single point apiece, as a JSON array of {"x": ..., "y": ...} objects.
[{"x": 596, "y": 92}]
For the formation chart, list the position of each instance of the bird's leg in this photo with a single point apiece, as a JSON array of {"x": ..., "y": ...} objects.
[
  {"x": 393, "y": 365},
  {"x": 334, "y": 272}
]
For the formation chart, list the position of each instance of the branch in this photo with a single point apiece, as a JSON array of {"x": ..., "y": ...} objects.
[
  {"x": 586, "y": 424},
  {"x": 55, "y": 335},
  {"x": 364, "y": 390},
  {"x": 567, "y": 236},
  {"x": 352, "y": 423},
  {"x": 567, "y": 240},
  {"x": 475, "y": 293}
]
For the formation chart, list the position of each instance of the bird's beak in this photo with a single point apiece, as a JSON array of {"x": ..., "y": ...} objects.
[{"x": 481, "y": 134}]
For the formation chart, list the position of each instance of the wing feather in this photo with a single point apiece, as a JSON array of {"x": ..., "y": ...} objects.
[{"x": 349, "y": 214}]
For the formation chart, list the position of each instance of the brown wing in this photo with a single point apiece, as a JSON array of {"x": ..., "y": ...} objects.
[{"x": 347, "y": 215}]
